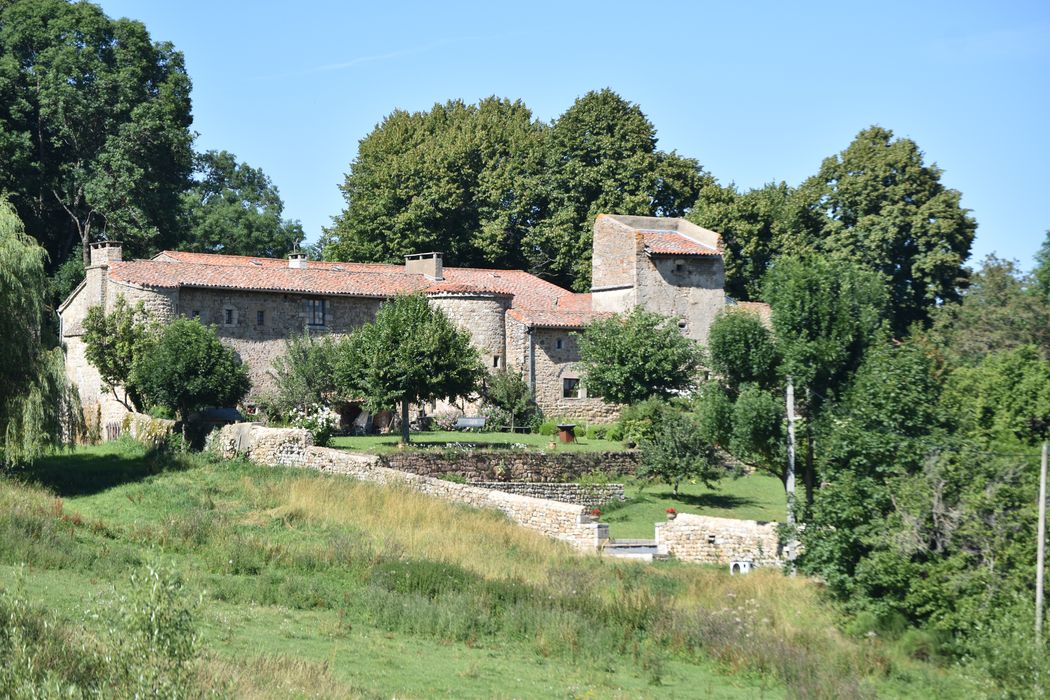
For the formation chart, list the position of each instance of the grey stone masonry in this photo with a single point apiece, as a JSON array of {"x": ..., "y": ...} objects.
[
  {"x": 513, "y": 465},
  {"x": 587, "y": 495},
  {"x": 293, "y": 447},
  {"x": 708, "y": 540}
]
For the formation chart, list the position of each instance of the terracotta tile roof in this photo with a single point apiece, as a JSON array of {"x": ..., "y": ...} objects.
[
  {"x": 673, "y": 243},
  {"x": 537, "y": 301}
]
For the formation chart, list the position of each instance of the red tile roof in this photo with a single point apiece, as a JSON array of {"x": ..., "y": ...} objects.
[
  {"x": 538, "y": 302},
  {"x": 674, "y": 243}
]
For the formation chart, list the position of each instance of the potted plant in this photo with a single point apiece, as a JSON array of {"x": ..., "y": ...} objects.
[
  {"x": 671, "y": 513},
  {"x": 596, "y": 513}
]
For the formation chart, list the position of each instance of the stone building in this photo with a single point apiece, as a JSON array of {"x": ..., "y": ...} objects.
[{"x": 516, "y": 320}]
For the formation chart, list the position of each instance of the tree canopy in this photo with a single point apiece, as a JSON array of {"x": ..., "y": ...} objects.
[
  {"x": 636, "y": 356},
  {"x": 113, "y": 342},
  {"x": 185, "y": 368},
  {"x": 878, "y": 204},
  {"x": 94, "y": 127},
  {"x": 411, "y": 353},
  {"x": 233, "y": 208},
  {"x": 487, "y": 184}
]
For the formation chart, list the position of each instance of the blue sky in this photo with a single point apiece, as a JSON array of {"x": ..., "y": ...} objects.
[{"x": 756, "y": 91}]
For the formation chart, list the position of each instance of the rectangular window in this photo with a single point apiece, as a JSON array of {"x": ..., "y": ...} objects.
[
  {"x": 315, "y": 311},
  {"x": 557, "y": 343},
  {"x": 227, "y": 317},
  {"x": 495, "y": 361},
  {"x": 570, "y": 388},
  {"x": 260, "y": 318}
]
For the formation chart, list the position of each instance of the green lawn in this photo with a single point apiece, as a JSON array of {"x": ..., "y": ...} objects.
[
  {"x": 384, "y": 444},
  {"x": 754, "y": 497},
  {"x": 319, "y": 586}
]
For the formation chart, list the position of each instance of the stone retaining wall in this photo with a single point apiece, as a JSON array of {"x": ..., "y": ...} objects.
[
  {"x": 513, "y": 465},
  {"x": 294, "y": 448},
  {"x": 710, "y": 540},
  {"x": 579, "y": 494}
]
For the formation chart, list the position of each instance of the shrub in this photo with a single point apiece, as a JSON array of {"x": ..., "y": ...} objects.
[
  {"x": 548, "y": 427},
  {"x": 639, "y": 422},
  {"x": 320, "y": 420},
  {"x": 511, "y": 397}
]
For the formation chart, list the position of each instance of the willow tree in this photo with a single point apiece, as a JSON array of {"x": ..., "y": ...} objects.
[{"x": 35, "y": 401}]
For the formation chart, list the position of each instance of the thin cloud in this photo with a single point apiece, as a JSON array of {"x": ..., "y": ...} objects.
[{"x": 360, "y": 60}]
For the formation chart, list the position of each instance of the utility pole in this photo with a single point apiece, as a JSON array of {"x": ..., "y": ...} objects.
[
  {"x": 789, "y": 482},
  {"x": 1040, "y": 550}
]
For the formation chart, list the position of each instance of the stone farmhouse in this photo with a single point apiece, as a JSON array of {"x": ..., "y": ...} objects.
[{"x": 516, "y": 320}]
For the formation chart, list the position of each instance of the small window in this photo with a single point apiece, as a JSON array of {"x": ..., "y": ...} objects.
[
  {"x": 679, "y": 266},
  {"x": 315, "y": 312},
  {"x": 557, "y": 343},
  {"x": 495, "y": 361},
  {"x": 260, "y": 318},
  {"x": 682, "y": 327},
  {"x": 227, "y": 316},
  {"x": 196, "y": 314},
  {"x": 570, "y": 388}
]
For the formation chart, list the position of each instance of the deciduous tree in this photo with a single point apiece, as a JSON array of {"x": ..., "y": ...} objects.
[
  {"x": 879, "y": 205},
  {"x": 185, "y": 368},
  {"x": 636, "y": 356},
  {"x": 113, "y": 342},
  {"x": 94, "y": 127},
  {"x": 410, "y": 353},
  {"x": 234, "y": 209}
]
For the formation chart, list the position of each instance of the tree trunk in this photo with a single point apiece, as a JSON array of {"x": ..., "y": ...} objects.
[{"x": 404, "y": 421}]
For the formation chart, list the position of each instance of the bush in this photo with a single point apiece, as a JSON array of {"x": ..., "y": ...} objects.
[
  {"x": 638, "y": 423},
  {"x": 597, "y": 432},
  {"x": 320, "y": 420},
  {"x": 548, "y": 427}
]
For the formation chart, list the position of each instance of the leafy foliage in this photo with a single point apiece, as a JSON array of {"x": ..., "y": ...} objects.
[
  {"x": 742, "y": 350},
  {"x": 304, "y": 375},
  {"x": 410, "y": 353},
  {"x": 879, "y": 205},
  {"x": 510, "y": 394},
  {"x": 678, "y": 451},
  {"x": 185, "y": 368},
  {"x": 825, "y": 311},
  {"x": 459, "y": 179},
  {"x": 489, "y": 185},
  {"x": 1002, "y": 309},
  {"x": 113, "y": 342},
  {"x": 234, "y": 209},
  {"x": 600, "y": 156},
  {"x": 36, "y": 404},
  {"x": 636, "y": 356},
  {"x": 94, "y": 126}
]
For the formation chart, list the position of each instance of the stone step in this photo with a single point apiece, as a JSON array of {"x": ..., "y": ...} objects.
[{"x": 644, "y": 550}]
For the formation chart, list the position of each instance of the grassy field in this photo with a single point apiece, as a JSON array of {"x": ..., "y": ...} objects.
[
  {"x": 382, "y": 444},
  {"x": 296, "y": 584},
  {"x": 754, "y": 497}
]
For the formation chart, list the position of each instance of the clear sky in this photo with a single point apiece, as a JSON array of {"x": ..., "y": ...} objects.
[{"x": 757, "y": 91}]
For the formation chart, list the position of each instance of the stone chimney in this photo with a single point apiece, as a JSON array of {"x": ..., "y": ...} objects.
[
  {"x": 428, "y": 264},
  {"x": 297, "y": 261},
  {"x": 105, "y": 252}
]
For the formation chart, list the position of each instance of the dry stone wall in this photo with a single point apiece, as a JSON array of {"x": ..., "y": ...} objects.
[
  {"x": 293, "y": 447},
  {"x": 584, "y": 495},
  {"x": 708, "y": 540},
  {"x": 512, "y": 465}
]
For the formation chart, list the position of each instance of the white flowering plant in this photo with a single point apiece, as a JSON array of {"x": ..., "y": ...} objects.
[{"x": 320, "y": 420}]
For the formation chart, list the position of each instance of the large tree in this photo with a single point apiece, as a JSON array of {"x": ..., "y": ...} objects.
[
  {"x": 878, "y": 204},
  {"x": 94, "y": 127},
  {"x": 235, "y": 209},
  {"x": 113, "y": 342},
  {"x": 459, "y": 178},
  {"x": 601, "y": 156},
  {"x": 411, "y": 353},
  {"x": 35, "y": 401},
  {"x": 636, "y": 356}
]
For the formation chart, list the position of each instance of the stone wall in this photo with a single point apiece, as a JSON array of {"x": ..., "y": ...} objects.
[
  {"x": 554, "y": 364},
  {"x": 690, "y": 288},
  {"x": 589, "y": 496},
  {"x": 482, "y": 316},
  {"x": 293, "y": 447},
  {"x": 708, "y": 540},
  {"x": 513, "y": 465}
]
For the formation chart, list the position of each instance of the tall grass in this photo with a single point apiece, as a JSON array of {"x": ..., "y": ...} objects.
[{"x": 392, "y": 559}]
